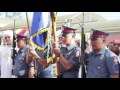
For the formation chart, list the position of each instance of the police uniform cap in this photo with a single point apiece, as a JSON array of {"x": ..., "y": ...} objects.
[
  {"x": 66, "y": 30},
  {"x": 98, "y": 34},
  {"x": 22, "y": 35}
]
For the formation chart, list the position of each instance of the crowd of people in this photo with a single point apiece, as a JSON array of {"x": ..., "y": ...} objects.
[
  {"x": 32, "y": 63},
  {"x": 114, "y": 47}
]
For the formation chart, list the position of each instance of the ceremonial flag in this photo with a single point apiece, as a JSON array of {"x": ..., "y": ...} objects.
[{"x": 40, "y": 26}]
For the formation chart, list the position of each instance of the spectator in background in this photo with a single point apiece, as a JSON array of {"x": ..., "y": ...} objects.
[
  {"x": 88, "y": 49},
  {"x": 5, "y": 55},
  {"x": 77, "y": 41},
  {"x": 114, "y": 48}
]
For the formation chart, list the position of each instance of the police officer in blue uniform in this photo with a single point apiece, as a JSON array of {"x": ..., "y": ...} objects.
[
  {"x": 69, "y": 55},
  {"x": 39, "y": 57},
  {"x": 21, "y": 68},
  {"x": 102, "y": 62}
]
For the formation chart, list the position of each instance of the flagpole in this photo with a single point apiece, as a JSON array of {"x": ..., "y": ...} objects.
[
  {"x": 30, "y": 45},
  {"x": 28, "y": 23},
  {"x": 55, "y": 40},
  {"x": 31, "y": 70}
]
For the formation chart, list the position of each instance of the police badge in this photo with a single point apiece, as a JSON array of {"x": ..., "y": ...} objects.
[{"x": 101, "y": 57}]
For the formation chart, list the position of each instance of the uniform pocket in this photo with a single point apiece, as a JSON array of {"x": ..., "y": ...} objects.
[{"x": 100, "y": 69}]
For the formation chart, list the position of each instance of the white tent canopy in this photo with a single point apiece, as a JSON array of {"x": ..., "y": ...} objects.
[
  {"x": 93, "y": 21},
  {"x": 8, "y": 24}
]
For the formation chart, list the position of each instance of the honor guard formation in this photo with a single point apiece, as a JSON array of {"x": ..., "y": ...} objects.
[{"x": 38, "y": 53}]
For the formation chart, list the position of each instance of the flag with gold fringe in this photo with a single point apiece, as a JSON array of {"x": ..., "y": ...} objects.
[
  {"x": 40, "y": 26},
  {"x": 39, "y": 31},
  {"x": 54, "y": 20}
]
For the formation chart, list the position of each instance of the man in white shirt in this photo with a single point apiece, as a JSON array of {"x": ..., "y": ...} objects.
[{"x": 5, "y": 55}]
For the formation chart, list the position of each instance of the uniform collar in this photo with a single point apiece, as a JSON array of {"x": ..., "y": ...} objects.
[
  {"x": 102, "y": 51},
  {"x": 70, "y": 47},
  {"x": 63, "y": 45}
]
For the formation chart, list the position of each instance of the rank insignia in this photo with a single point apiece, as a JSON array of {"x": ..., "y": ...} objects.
[
  {"x": 115, "y": 59},
  {"x": 77, "y": 54},
  {"x": 101, "y": 57},
  {"x": 68, "y": 54}
]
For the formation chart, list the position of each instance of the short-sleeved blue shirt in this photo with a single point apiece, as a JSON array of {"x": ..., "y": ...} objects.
[
  {"x": 70, "y": 54},
  {"x": 43, "y": 72},
  {"x": 102, "y": 65},
  {"x": 21, "y": 68}
]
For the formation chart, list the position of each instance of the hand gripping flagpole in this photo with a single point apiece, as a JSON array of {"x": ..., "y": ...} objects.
[{"x": 53, "y": 18}]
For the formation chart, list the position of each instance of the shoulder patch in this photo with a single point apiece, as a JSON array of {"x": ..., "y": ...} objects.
[{"x": 115, "y": 59}]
